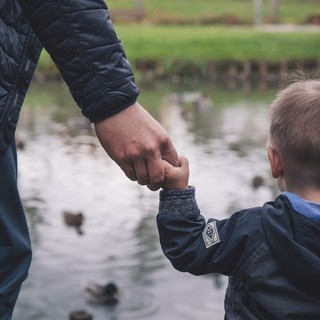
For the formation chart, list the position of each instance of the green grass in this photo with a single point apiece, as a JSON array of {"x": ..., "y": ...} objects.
[
  {"x": 201, "y": 44},
  {"x": 216, "y": 43},
  {"x": 290, "y": 11}
]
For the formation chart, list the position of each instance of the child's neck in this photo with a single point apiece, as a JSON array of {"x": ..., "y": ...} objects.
[
  {"x": 303, "y": 185},
  {"x": 308, "y": 195}
]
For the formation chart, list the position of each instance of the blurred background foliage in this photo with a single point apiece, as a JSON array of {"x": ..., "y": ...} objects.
[
  {"x": 163, "y": 38},
  {"x": 222, "y": 11}
]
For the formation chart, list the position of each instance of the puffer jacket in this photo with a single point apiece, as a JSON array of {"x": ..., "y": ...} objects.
[
  {"x": 270, "y": 254},
  {"x": 82, "y": 42}
]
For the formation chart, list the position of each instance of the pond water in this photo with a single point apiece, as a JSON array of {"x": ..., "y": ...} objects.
[{"x": 62, "y": 167}]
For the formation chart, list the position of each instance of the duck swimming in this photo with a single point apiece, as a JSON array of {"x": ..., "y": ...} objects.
[
  {"x": 257, "y": 182},
  {"x": 107, "y": 294},
  {"x": 80, "y": 315},
  {"x": 73, "y": 219}
]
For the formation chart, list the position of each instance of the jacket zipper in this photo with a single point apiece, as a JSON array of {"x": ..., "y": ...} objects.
[{"x": 15, "y": 98}]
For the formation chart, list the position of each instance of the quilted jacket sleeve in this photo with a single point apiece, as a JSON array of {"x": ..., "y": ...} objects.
[
  {"x": 81, "y": 40},
  {"x": 199, "y": 247}
]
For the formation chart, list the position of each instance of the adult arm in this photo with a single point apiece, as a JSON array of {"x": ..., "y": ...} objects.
[{"x": 81, "y": 40}]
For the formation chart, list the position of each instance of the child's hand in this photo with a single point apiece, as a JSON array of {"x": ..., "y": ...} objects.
[{"x": 176, "y": 177}]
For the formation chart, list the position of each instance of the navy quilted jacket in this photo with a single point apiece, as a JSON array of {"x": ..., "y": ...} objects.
[{"x": 82, "y": 42}]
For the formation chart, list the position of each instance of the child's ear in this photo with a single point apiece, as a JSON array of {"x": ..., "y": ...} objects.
[{"x": 275, "y": 163}]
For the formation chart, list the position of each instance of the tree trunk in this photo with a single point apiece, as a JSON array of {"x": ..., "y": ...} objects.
[
  {"x": 257, "y": 11},
  {"x": 274, "y": 9}
]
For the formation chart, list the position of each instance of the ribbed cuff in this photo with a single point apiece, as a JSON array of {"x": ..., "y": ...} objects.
[{"x": 178, "y": 201}]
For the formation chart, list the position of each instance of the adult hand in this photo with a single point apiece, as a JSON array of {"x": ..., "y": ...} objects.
[
  {"x": 137, "y": 143},
  {"x": 176, "y": 177}
]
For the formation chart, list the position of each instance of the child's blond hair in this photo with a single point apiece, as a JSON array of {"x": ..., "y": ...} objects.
[{"x": 295, "y": 123}]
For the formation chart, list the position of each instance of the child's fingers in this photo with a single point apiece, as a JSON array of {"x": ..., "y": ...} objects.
[
  {"x": 167, "y": 166},
  {"x": 176, "y": 177},
  {"x": 184, "y": 163}
]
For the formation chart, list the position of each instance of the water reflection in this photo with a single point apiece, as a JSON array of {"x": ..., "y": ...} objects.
[{"x": 62, "y": 167}]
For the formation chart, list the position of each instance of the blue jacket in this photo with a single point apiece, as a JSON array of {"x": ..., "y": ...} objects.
[
  {"x": 81, "y": 40},
  {"x": 271, "y": 255}
]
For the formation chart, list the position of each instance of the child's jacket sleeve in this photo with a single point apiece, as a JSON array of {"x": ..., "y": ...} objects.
[{"x": 199, "y": 247}]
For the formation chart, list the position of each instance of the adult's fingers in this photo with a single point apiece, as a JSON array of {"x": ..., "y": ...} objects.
[
  {"x": 170, "y": 154},
  {"x": 128, "y": 169},
  {"x": 141, "y": 171},
  {"x": 156, "y": 173}
]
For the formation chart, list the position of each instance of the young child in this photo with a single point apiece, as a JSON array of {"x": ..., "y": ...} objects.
[{"x": 271, "y": 253}]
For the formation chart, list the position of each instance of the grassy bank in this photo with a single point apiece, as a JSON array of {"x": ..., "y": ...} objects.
[
  {"x": 216, "y": 43},
  {"x": 199, "y": 45},
  {"x": 290, "y": 11}
]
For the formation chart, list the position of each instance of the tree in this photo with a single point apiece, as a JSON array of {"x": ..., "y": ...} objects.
[
  {"x": 257, "y": 4},
  {"x": 274, "y": 9}
]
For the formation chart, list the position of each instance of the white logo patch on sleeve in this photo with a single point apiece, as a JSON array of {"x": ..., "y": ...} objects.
[{"x": 210, "y": 234}]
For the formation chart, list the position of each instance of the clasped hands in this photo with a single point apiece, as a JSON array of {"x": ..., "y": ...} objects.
[{"x": 139, "y": 145}]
